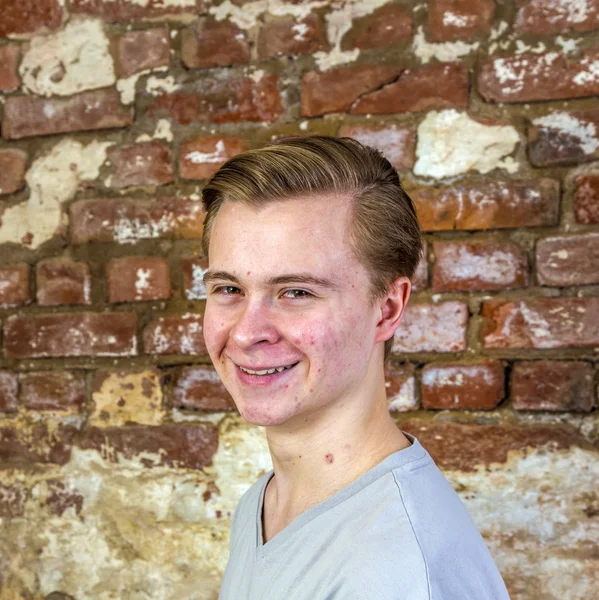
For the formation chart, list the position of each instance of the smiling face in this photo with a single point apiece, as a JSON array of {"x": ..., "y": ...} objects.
[{"x": 258, "y": 318}]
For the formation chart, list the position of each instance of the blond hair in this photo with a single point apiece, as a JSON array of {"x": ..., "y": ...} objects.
[{"x": 384, "y": 234}]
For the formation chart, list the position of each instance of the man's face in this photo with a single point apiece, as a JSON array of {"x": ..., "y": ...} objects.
[{"x": 325, "y": 331}]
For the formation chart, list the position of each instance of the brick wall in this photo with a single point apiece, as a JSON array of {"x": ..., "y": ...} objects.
[{"x": 121, "y": 454}]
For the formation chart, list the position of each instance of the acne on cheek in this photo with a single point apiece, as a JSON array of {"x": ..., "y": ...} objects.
[{"x": 329, "y": 458}]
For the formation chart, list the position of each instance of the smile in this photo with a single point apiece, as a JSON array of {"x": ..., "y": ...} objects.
[{"x": 267, "y": 371}]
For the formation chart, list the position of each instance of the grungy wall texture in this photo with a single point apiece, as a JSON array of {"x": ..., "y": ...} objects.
[{"x": 122, "y": 456}]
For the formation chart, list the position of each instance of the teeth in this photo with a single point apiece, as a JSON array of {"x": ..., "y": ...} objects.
[{"x": 266, "y": 371}]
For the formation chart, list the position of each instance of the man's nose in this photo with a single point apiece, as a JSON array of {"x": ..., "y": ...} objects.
[{"x": 255, "y": 323}]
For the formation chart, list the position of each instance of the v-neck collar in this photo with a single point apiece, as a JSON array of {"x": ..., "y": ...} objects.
[{"x": 402, "y": 457}]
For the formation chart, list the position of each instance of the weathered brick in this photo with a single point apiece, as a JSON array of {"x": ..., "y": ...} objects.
[
  {"x": 193, "y": 277},
  {"x": 548, "y": 76},
  {"x": 12, "y": 499},
  {"x": 12, "y": 170},
  {"x": 199, "y": 388},
  {"x": 209, "y": 43},
  {"x": 9, "y": 388},
  {"x": 552, "y": 385},
  {"x": 290, "y": 36},
  {"x": 478, "y": 265},
  {"x": 478, "y": 386},
  {"x": 459, "y": 19},
  {"x": 129, "y": 10},
  {"x": 127, "y": 220},
  {"x": 494, "y": 205},
  {"x": 52, "y": 390},
  {"x": 586, "y": 199},
  {"x": 201, "y": 157},
  {"x": 36, "y": 442},
  {"x": 59, "y": 497},
  {"x": 420, "y": 279},
  {"x": 26, "y": 116},
  {"x": 418, "y": 89},
  {"x": 563, "y": 138},
  {"x": 396, "y": 142},
  {"x": 27, "y": 16},
  {"x": 138, "y": 278},
  {"x": 542, "y": 323},
  {"x": 337, "y": 90},
  {"x": 568, "y": 260},
  {"x": 70, "y": 334},
  {"x": 143, "y": 164},
  {"x": 63, "y": 281},
  {"x": 230, "y": 101},
  {"x": 9, "y": 63},
  {"x": 386, "y": 26},
  {"x": 175, "y": 334},
  {"x": 540, "y": 17},
  {"x": 14, "y": 285},
  {"x": 178, "y": 446},
  {"x": 136, "y": 51},
  {"x": 400, "y": 386},
  {"x": 120, "y": 398},
  {"x": 467, "y": 447},
  {"x": 432, "y": 328}
]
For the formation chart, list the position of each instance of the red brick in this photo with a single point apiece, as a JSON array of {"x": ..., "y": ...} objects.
[
  {"x": 27, "y": 16},
  {"x": 396, "y": 142},
  {"x": 143, "y": 164},
  {"x": 209, "y": 43},
  {"x": 9, "y": 388},
  {"x": 127, "y": 220},
  {"x": 459, "y": 19},
  {"x": 14, "y": 285},
  {"x": 138, "y": 278},
  {"x": 178, "y": 446},
  {"x": 290, "y": 36},
  {"x": 542, "y": 323},
  {"x": 540, "y": 17},
  {"x": 563, "y": 138},
  {"x": 230, "y": 101},
  {"x": 337, "y": 90},
  {"x": 552, "y": 385},
  {"x": 478, "y": 265},
  {"x": 199, "y": 388},
  {"x": 418, "y": 89},
  {"x": 70, "y": 334},
  {"x": 420, "y": 279},
  {"x": 493, "y": 205},
  {"x": 136, "y": 51},
  {"x": 26, "y": 116},
  {"x": 432, "y": 328},
  {"x": 9, "y": 63},
  {"x": 63, "y": 281},
  {"x": 202, "y": 157},
  {"x": 129, "y": 10},
  {"x": 193, "y": 277},
  {"x": 568, "y": 260},
  {"x": 386, "y": 26},
  {"x": 586, "y": 199},
  {"x": 175, "y": 334},
  {"x": 36, "y": 442},
  {"x": 12, "y": 499},
  {"x": 477, "y": 386},
  {"x": 52, "y": 390},
  {"x": 547, "y": 76},
  {"x": 12, "y": 170},
  {"x": 400, "y": 386}
]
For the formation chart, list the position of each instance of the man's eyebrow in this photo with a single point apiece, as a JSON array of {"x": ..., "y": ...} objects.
[{"x": 305, "y": 278}]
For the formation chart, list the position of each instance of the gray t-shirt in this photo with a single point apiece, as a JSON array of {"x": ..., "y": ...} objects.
[{"x": 398, "y": 532}]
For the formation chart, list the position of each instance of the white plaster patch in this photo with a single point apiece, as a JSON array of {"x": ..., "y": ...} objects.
[
  {"x": 142, "y": 282},
  {"x": 163, "y": 131},
  {"x": 498, "y": 268},
  {"x": 455, "y": 20},
  {"x": 450, "y": 143},
  {"x": 571, "y": 11},
  {"x": 590, "y": 75},
  {"x": 443, "y": 52},
  {"x": 522, "y": 47},
  {"x": 197, "y": 290},
  {"x": 497, "y": 32},
  {"x": 218, "y": 156},
  {"x": 68, "y": 61},
  {"x": 567, "y": 124},
  {"x": 53, "y": 179},
  {"x": 161, "y": 85},
  {"x": 405, "y": 399},
  {"x": 454, "y": 375},
  {"x": 569, "y": 46}
]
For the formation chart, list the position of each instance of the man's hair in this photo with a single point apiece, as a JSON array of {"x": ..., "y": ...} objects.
[{"x": 385, "y": 234}]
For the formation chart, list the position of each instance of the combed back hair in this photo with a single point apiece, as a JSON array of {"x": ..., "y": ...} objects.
[{"x": 384, "y": 232}]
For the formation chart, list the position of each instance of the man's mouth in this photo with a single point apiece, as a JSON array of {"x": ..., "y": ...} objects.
[{"x": 266, "y": 371}]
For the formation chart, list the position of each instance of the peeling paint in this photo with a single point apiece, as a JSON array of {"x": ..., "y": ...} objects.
[
  {"x": 565, "y": 123},
  {"x": 443, "y": 52}
]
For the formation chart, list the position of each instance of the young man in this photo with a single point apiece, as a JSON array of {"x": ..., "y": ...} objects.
[{"x": 311, "y": 244}]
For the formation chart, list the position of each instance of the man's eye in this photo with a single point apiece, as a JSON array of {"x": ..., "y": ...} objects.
[
  {"x": 225, "y": 290},
  {"x": 302, "y": 294}
]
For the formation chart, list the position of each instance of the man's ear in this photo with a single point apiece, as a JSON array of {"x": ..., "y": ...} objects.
[{"x": 392, "y": 306}]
